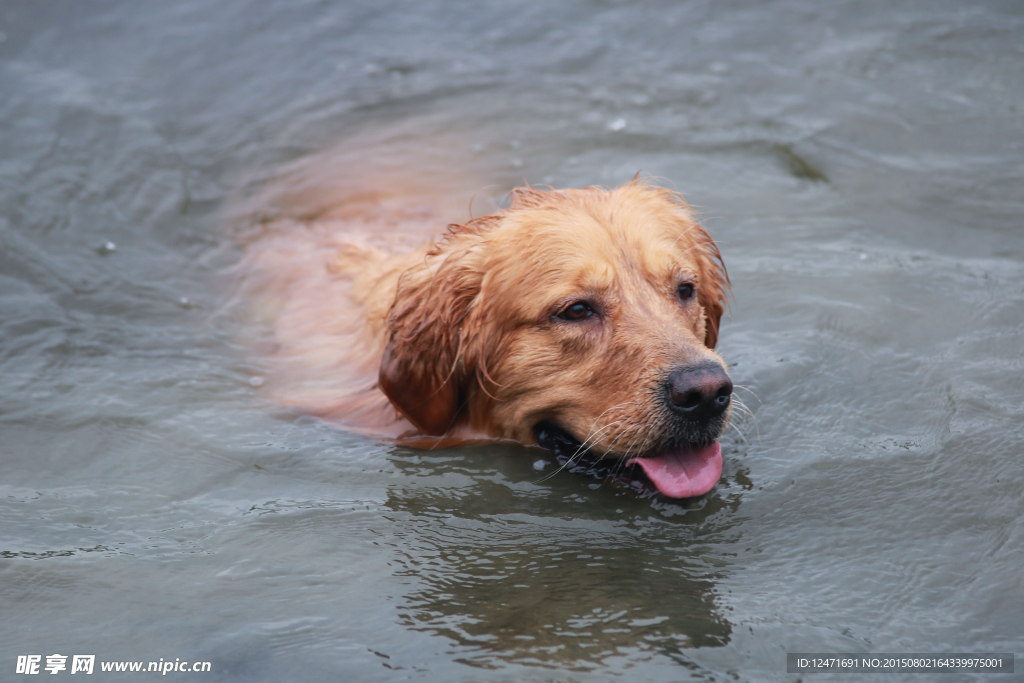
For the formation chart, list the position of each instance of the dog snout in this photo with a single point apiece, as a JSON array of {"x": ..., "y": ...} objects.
[{"x": 699, "y": 393}]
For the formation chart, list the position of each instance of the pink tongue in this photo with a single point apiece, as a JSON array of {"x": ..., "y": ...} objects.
[{"x": 683, "y": 474}]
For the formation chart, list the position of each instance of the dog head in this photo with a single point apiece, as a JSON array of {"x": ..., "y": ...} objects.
[{"x": 575, "y": 317}]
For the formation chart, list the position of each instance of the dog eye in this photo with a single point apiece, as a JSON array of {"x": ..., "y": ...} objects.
[
  {"x": 685, "y": 291},
  {"x": 576, "y": 311}
]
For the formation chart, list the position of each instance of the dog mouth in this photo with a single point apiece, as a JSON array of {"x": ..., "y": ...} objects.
[{"x": 678, "y": 472}]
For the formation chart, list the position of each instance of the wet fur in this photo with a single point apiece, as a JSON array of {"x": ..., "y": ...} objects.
[{"x": 460, "y": 341}]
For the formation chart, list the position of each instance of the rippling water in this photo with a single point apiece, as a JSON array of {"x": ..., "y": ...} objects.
[{"x": 861, "y": 165}]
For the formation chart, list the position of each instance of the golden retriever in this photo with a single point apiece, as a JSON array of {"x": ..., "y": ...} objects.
[{"x": 575, "y": 320}]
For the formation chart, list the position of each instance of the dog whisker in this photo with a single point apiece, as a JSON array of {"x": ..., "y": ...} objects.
[
  {"x": 646, "y": 434},
  {"x": 748, "y": 390},
  {"x": 588, "y": 444},
  {"x": 747, "y": 414},
  {"x": 592, "y": 439},
  {"x": 575, "y": 457}
]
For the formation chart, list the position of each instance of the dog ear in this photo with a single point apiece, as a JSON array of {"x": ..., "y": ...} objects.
[
  {"x": 422, "y": 371},
  {"x": 714, "y": 285},
  {"x": 712, "y": 294}
]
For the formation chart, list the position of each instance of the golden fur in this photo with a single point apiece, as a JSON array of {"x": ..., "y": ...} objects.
[{"x": 460, "y": 340}]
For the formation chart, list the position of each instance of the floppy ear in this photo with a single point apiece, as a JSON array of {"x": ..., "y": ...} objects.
[
  {"x": 712, "y": 293},
  {"x": 714, "y": 285},
  {"x": 421, "y": 371}
]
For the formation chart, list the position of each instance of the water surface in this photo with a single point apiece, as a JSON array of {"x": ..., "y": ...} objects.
[{"x": 862, "y": 168}]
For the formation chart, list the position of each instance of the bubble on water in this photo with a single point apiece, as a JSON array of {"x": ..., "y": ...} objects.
[
  {"x": 257, "y": 382},
  {"x": 617, "y": 124},
  {"x": 540, "y": 465},
  {"x": 106, "y": 248}
]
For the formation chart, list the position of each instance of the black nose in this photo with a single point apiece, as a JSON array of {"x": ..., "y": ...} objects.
[{"x": 699, "y": 393}]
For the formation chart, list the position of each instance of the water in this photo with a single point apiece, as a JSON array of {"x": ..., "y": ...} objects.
[{"x": 862, "y": 168}]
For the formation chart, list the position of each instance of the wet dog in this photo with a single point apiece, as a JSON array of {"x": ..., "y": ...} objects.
[{"x": 580, "y": 320}]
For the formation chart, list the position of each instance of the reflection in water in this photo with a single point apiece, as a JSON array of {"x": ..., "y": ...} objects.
[{"x": 512, "y": 571}]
